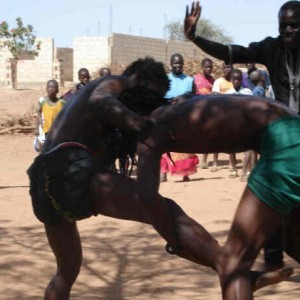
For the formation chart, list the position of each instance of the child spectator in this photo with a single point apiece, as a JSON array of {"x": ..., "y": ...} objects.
[
  {"x": 258, "y": 83},
  {"x": 223, "y": 84},
  {"x": 48, "y": 108},
  {"x": 183, "y": 164},
  {"x": 203, "y": 86},
  {"x": 103, "y": 72},
  {"x": 84, "y": 78},
  {"x": 204, "y": 81},
  {"x": 237, "y": 79},
  {"x": 258, "y": 89}
]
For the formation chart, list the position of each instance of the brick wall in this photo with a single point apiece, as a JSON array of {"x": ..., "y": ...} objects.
[{"x": 91, "y": 53}]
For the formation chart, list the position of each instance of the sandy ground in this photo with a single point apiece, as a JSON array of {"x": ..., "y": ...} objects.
[{"x": 122, "y": 260}]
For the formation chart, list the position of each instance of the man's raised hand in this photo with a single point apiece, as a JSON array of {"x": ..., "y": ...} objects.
[{"x": 191, "y": 19}]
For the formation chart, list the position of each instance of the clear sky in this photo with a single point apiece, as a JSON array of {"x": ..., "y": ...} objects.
[{"x": 243, "y": 20}]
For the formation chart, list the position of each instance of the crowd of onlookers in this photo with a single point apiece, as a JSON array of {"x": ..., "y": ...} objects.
[{"x": 254, "y": 82}]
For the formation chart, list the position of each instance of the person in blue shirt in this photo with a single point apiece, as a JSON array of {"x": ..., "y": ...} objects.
[
  {"x": 180, "y": 83},
  {"x": 183, "y": 164}
]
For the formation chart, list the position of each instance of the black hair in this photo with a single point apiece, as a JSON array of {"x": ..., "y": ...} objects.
[
  {"x": 151, "y": 86},
  {"x": 85, "y": 70},
  {"x": 293, "y": 5},
  {"x": 204, "y": 60},
  {"x": 236, "y": 71},
  {"x": 176, "y": 55},
  {"x": 54, "y": 81},
  {"x": 103, "y": 69}
]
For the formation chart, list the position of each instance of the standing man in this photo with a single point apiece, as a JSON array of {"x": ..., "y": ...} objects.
[
  {"x": 281, "y": 56},
  {"x": 181, "y": 164},
  {"x": 180, "y": 83}
]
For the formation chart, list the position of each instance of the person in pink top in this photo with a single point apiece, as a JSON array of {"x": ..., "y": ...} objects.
[
  {"x": 203, "y": 86},
  {"x": 204, "y": 81}
]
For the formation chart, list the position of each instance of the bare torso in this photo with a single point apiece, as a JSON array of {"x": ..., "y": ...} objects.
[
  {"x": 85, "y": 118},
  {"x": 211, "y": 124}
]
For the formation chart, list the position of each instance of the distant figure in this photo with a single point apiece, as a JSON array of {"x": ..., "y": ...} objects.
[
  {"x": 104, "y": 72},
  {"x": 251, "y": 67},
  {"x": 183, "y": 164},
  {"x": 48, "y": 108},
  {"x": 258, "y": 83},
  {"x": 204, "y": 81},
  {"x": 180, "y": 82},
  {"x": 84, "y": 78},
  {"x": 221, "y": 86},
  {"x": 236, "y": 79},
  {"x": 203, "y": 86},
  {"x": 259, "y": 90}
]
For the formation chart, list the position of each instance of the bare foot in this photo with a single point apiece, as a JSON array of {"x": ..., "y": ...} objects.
[
  {"x": 186, "y": 178},
  {"x": 265, "y": 279}
]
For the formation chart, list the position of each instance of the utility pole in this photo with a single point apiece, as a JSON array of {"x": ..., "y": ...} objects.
[{"x": 110, "y": 19}]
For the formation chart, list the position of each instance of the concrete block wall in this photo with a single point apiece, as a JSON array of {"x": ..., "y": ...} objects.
[
  {"x": 127, "y": 48},
  {"x": 65, "y": 55},
  {"x": 36, "y": 72},
  {"x": 4, "y": 68},
  {"x": 91, "y": 53}
]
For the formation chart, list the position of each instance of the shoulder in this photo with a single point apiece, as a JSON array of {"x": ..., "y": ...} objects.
[
  {"x": 246, "y": 91},
  {"x": 231, "y": 91},
  {"x": 43, "y": 101},
  {"x": 62, "y": 101},
  {"x": 219, "y": 80},
  {"x": 268, "y": 42},
  {"x": 110, "y": 85}
]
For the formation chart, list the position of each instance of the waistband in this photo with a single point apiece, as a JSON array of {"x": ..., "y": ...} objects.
[{"x": 70, "y": 145}]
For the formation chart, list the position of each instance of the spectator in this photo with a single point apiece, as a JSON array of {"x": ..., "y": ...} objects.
[
  {"x": 84, "y": 78},
  {"x": 105, "y": 72},
  {"x": 221, "y": 86},
  {"x": 48, "y": 108},
  {"x": 203, "y": 86},
  {"x": 236, "y": 78},
  {"x": 180, "y": 83},
  {"x": 183, "y": 164}
]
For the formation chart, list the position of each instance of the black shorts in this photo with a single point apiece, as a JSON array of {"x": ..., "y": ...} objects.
[{"x": 60, "y": 185}]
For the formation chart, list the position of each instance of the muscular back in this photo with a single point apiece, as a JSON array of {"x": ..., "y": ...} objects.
[{"x": 214, "y": 123}]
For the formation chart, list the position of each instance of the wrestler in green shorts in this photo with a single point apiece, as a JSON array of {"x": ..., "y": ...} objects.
[{"x": 276, "y": 177}]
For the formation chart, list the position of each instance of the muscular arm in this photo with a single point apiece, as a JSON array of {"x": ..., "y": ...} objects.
[{"x": 106, "y": 106}]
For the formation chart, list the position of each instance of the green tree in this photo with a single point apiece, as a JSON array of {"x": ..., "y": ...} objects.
[
  {"x": 205, "y": 28},
  {"x": 18, "y": 40}
]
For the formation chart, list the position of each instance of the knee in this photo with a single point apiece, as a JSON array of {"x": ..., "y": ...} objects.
[
  {"x": 231, "y": 266},
  {"x": 68, "y": 271}
]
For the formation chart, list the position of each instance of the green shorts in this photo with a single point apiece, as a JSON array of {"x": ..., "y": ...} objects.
[{"x": 276, "y": 177}]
